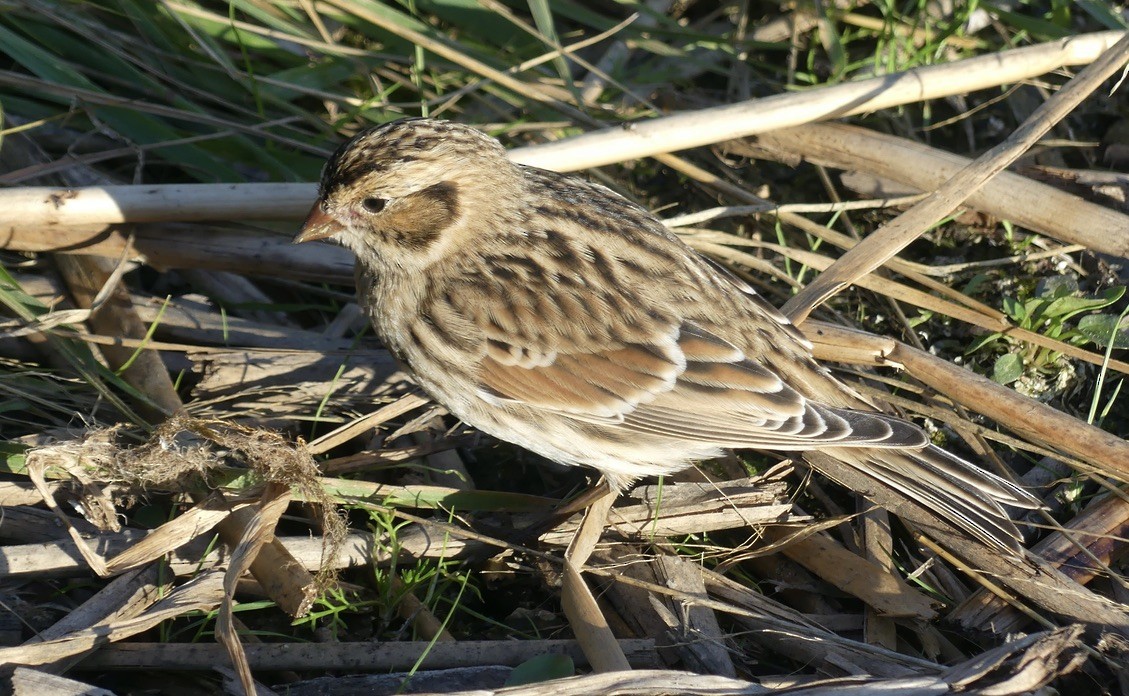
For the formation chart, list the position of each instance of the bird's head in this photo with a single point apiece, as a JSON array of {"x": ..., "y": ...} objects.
[{"x": 394, "y": 193}]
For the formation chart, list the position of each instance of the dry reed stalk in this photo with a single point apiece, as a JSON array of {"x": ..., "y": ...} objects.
[{"x": 1008, "y": 196}]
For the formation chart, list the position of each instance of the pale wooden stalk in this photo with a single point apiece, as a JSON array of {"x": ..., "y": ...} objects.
[
  {"x": 284, "y": 579},
  {"x": 708, "y": 126},
  {"x": 727, "y": 505},
  {"x": 60, "y": 559},
  {"x": 878, "y": 546},
  {"x": 702, "y": 642},
  {"x": 163, "y": 246},
  {"x": 144, "y": 370},
  {"x": 275, "y": 569},
  {"x": 52, "y": 206}
]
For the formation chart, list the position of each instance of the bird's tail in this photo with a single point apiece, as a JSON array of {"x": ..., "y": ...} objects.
[{"x": 957, "y": 491}]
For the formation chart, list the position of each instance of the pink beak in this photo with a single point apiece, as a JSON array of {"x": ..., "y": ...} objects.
[{"x": 318, "y": 225}]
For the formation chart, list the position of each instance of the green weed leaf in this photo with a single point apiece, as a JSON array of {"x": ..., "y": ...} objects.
[
  {"x": 540, "y": 669},
  {"x": 1099, "y": 327},
  {"x": 1008, "y": 368}
]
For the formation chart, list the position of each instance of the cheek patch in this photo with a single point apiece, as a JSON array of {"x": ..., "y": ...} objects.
[{"x": 416, "y": 221}]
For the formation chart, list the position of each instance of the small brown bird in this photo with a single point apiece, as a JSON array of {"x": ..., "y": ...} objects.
[{"x": 554, "y": 314}]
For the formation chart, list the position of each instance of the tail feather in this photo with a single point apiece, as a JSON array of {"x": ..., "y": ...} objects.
[
  {"x": 959, "y": 492},
  {"x": 976, "y": 479}
]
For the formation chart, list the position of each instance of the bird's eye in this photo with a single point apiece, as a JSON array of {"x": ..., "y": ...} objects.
[{"x": 373, "y": 205}]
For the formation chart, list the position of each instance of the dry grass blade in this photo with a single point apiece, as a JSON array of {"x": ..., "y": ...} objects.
[
  {"x": 883, "y": 591},
  {"x": 35, "y": 208},
  {"x": 37, "y": 471},
  {"x": 769, "y": 622},
  {"x": 695, "y": 628},
  {"x": 125, "y": 596},
  {"x": 258, "y": 531},
  {"x": 732, "y": 505},
  {"x": 1083, "y": 551},
  {"x": 1032, "y": 579},
  {"x": 198, "y": 520},
  {"x": 454, "y": 55},
  {"x": 984, "y": 318},
  {"x": 357, "y": 426},
  {"x": 579, "y": 605}
]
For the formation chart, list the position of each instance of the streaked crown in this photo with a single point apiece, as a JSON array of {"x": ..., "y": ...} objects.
[{"x": 391, "y": 147}]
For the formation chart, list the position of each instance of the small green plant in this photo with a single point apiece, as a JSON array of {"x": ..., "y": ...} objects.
[
  {"x": 1050, "y": 313},
  {"x": 330, "y": 611},
  {"x": 438, "y": 583},
  {"x": 434, "y": 581}
]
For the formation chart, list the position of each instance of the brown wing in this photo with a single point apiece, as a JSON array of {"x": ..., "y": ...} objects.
[{"x": 680, "y": 381}]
